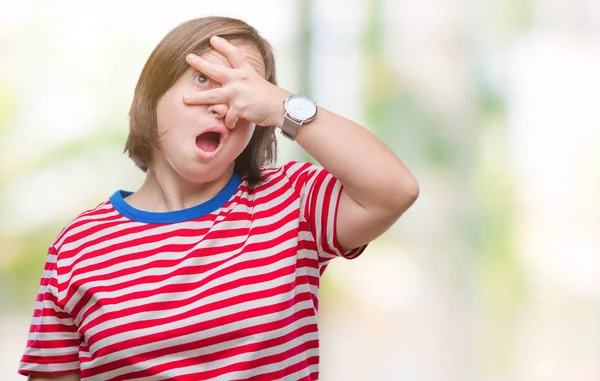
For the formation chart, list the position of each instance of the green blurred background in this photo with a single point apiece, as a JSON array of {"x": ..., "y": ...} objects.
[{"x": 493, "y": 275}]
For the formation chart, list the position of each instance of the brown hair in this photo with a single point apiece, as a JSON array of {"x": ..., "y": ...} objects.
[{"x": 164, "y": 67}]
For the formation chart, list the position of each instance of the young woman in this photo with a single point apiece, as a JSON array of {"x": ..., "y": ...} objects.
[{"x": 211, "y": 269}]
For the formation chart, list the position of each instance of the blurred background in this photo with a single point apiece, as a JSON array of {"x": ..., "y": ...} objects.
[{"x": 493, "y": 275}]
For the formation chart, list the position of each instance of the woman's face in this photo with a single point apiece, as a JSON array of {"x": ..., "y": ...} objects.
[{"x": 193, "y": 140}]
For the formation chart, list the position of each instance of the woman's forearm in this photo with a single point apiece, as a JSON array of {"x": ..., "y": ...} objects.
[{"x": 372, "y": 174}]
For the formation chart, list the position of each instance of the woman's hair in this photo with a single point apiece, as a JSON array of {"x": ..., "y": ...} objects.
[{"x": 164, "y": 67}]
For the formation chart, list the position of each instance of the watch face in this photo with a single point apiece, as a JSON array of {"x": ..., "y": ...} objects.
[{"x": 301, "y": 107}]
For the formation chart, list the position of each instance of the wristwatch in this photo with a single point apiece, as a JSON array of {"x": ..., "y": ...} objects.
[{"x": 299, "y": 110}]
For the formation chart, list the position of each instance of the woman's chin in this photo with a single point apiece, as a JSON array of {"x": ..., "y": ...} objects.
[{"x": 201, "y": 171}]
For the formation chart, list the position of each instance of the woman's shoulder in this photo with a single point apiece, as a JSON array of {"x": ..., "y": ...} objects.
[
  {"x": 83, "y": 221},
  {"x": 289, "y": 169}
]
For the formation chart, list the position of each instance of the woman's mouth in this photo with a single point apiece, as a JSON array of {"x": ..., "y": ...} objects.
[
  {"x": 208, "y": 144},
  {"x": 208, "y": 141}
]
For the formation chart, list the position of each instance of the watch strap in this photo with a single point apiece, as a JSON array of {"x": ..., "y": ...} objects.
[{"x": 290, "y": 127}]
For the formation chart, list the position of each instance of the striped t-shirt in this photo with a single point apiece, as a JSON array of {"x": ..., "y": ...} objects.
[{"x": 225, "y": 290}]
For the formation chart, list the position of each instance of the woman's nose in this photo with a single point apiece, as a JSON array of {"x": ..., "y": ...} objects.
[{"x": 218, "y": 110}]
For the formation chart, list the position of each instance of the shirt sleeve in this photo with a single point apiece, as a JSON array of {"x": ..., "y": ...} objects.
[
  {"x": 320, "y": 193},
  {"x": 53, "y": 341}
]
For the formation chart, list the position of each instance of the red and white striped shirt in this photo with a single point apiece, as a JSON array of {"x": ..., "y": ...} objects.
[{"x": 225, "y": 290}]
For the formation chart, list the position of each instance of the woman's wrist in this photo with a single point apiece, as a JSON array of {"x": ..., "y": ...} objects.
[{"x": 277, "y": 106}]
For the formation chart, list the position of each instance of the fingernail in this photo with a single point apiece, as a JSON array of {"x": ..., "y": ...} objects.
[
  {"x": 192, "y": 57},
  {"x": 187, "y": 97}
]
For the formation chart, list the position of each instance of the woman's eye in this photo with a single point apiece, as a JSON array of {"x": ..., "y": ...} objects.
[{"x": 201, "y": 79}]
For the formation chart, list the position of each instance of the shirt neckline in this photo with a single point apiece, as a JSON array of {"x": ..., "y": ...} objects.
[{"x": 119, "y": 203}]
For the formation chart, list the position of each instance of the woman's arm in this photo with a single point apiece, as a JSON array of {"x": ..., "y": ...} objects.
[{"x": 378, "y": 187}]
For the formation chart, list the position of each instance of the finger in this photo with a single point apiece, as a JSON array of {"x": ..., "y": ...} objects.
[
  {"x": 231, "y": 118},
  {"x": 208, "y": 97},
  {"x": 234, "y": 55},
  {"x": 213, "y": 71}
]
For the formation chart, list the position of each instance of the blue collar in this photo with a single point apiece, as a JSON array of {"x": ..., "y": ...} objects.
[{"x": 119, "y": 203}]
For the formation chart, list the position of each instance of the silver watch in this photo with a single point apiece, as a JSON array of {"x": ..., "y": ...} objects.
[{"x": 299, "y": 110}]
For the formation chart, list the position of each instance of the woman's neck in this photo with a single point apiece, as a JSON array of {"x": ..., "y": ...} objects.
[{"x": 166, "y": 191}]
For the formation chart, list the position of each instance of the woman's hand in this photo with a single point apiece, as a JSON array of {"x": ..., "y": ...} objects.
[{"x": 248, "y": 95}]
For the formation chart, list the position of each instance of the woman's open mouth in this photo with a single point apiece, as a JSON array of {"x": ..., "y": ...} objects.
[
  {"x": 208, "y": 141},
  {"x": 208, "y": 144}
]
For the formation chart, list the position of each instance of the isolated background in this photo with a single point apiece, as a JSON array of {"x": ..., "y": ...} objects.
[{"x": 493, "y": 275}]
